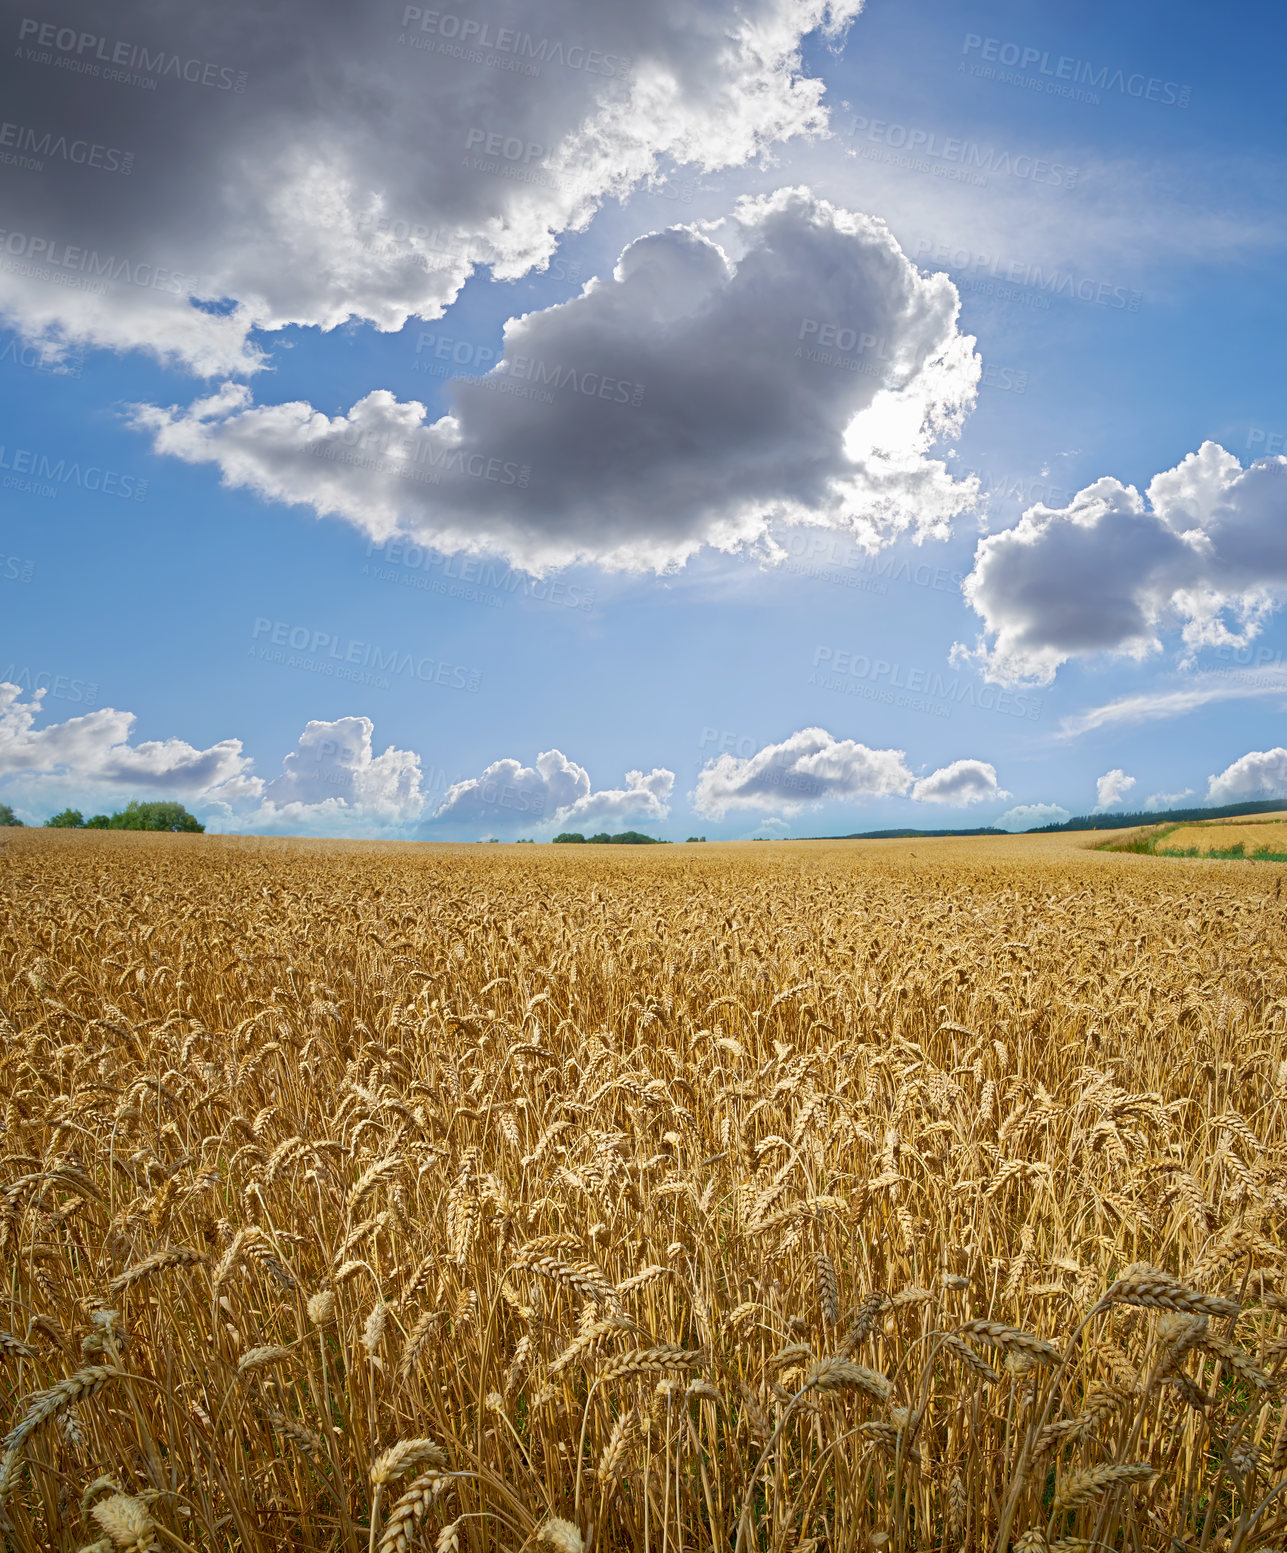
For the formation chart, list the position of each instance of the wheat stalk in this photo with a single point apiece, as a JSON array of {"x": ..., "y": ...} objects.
[
  {"x": 1078, "y": 1488},
  {"x": 159, "y": 1261},
  {"x": 404, "y": 1455}
]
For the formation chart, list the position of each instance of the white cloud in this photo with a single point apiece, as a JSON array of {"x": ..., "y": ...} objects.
[
  {"x": 672, "y": 405},
  {"x": 330, "y": 784},
  {"x": 769, "y": 829},
  {"x": 558, "y": 791},
  {"x": 367, "y": 159},
  {"x": 1204, "y": 551},
  {"x": 1157, "y": 705},
  {"x": 1257, "y": 774},
  {"x": 333, "y": 763},
  {"x": 1157, "y": 801},
  {"x": 1029, "y": 816},
  {"x": 521, "y": 794},
  {"x": 803, "y": 769},
  {"x": 964, "y": 781},
  {"x": 1111, "y": 788},
  {"x": 94, "y": 750},
  {"x": 644, "y": 799}
]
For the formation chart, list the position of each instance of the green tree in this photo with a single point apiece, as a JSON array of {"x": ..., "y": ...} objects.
[
  {"x": 98, "y": 822},
  {"x": 7, "y": 816},
  {"x": 633, "y": 837},
  {"x": 65, "y": 819},
  {"x": 162, "y": 814}
]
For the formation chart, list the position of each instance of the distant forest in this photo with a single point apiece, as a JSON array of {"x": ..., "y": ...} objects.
[{"x": 1227, "y": 811}]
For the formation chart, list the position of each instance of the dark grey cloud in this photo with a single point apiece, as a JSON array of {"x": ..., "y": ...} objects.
[
  {"x": 682, "y": 401},
  {"x": 312, "y": 163},
  {"x": 1204, "y": 551}
]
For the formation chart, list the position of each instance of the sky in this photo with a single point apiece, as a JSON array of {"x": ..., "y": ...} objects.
[{"x": 754, "y": 419}]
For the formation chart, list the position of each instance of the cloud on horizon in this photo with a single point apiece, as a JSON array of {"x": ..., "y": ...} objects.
[
  {"x": 330, "y": 783},
  {"x": 812, "y": 765},
  {"x": 1257, "y": 774},
  {"x": 555, "y": 792},
  {"x": 1029, "y": 816},
  {"x": 96, "y": 748}
]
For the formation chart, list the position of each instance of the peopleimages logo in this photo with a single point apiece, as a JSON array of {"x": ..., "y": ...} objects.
[
  {"x": 67, "y": 256},
  {"x": 74, "y": 50},
  {"x": 968, "y": 155},
  {"x": 51, "y": 362},
  {"x": 62, "y": 686},
  {"x": 326, "y": 653},
  {"x": 1075, "y": 72},
  {"x": 27, "y": 147},
  {"x": 984, "y": 272},
  {"x": 35, "y": 473},
  {"x": 467, "y": 32},
  {"x": 1271, "y": 443},
  {"x": 468, "y": 577},
  {"x": 1024, "y": 488},
  {"x": 922, "y": 690}
]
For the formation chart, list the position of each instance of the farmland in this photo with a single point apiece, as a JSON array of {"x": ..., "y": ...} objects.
[
  {"x": 1252, "y": 836},
  {"x": 896, "y": 1195},
  {"x": 1262, "y": 839}
]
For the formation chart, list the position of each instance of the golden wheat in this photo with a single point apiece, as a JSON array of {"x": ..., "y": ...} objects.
[{"x": 658, "y": 1201}]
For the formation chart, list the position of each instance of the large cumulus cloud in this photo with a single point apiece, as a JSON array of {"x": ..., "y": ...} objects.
[
  {"x": 335, "y": 762},
  {"x": 312, "y": 163},
  {"x": 808, "y": 766},
  {"x": 331, "y": 783},
  {"x": 961, "y": 782},
  {"x": 555, "y": 790},
  {"x": 1204, "y": 551},
  {"x": 1111, "y": 788},
  {"x": 812, "y": 765},
  {"x": 95, "y": 749},
  {"x": 682, "y": 401},
  {"x": 1257, "y": 774}
]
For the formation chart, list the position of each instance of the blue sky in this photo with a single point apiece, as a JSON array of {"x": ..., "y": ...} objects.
[{"x": 1103, "y": 191}]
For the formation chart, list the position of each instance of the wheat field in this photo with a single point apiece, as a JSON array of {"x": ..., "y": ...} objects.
[
  {"x": 1252, "y": 834},
  {"x": 908, "y": 1195}
]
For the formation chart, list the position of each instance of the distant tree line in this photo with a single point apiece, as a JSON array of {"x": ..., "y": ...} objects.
[
  {"x": 160, "y": 815},
  {"x": 629, "y": 837},
  {"x": 1124, "y": 821}
]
